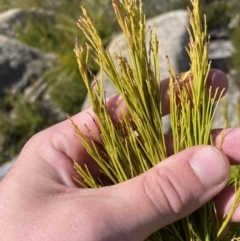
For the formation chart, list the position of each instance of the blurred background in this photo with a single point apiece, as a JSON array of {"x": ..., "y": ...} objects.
[{"x": 39, "y": 77}]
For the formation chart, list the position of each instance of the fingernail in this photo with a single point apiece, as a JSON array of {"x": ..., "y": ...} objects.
[
  {"x": 209, "y": 166},
  {"x": 220, "y": 80},
  {"x": 116, "y": 108}
]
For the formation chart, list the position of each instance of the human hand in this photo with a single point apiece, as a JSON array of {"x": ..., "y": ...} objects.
[{"x": 40, "y": 200}]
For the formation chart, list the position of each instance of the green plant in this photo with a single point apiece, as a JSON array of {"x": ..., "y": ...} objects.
[
  {"x": 235, "y": 60},
  {"x": 50, "y": 27},
  {"x": 219, "y": 12},
  {"x": 137, "y": 142},
  {"x": 19, "y": 125},
  {"x": 45, "y": 33}
]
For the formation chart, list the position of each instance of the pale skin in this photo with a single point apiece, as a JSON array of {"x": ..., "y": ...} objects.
[{"x": 40, "y": 200}]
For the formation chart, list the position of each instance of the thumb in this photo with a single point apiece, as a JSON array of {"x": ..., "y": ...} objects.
[{"x": 169, "y": 191}]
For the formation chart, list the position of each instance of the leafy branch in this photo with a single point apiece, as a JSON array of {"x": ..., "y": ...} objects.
[{"x": 136, "y": 142}]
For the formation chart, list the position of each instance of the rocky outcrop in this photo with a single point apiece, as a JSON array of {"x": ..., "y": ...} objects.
[
  {"x": 228, "y": 111},
  {"x": 20, "y": 64},
  {"x": 17, "y": 17},
  {"x": 22, "y": 67},
  {"x": 221, "y": 49},
  {"x": 10, "y": 19}
]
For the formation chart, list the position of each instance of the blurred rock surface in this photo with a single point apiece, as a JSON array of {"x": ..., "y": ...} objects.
[
  {"x": 22, "y": 67},
  {"x": 20, "y": 64},
  {"x": 17, "y": 17}
]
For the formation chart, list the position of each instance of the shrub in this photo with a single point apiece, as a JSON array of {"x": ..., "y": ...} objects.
[{"x": 19, "y": 125}]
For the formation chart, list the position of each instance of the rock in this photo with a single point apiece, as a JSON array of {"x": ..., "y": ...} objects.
[
  {"x": 20, "y": 64},
  {"x": 40, "y": 90},
  {"x": 221, "y": 49},
  {"x": 227, "y": 109},
  {"x": 53, "y": 111},
  {"x": 173, "y": 37},
  {"x": 9, "y": 20},
  {"x": 22, "y": 67},
  {"x": 34, "y": 91},
  {"x": 234, "y": 23},
  {"x": 220, "y": 52},
  {"x": 13, "y": 18},
  {"x": 219, "y": 33}
]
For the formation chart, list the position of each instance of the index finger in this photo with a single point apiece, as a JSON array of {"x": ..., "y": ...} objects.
[
  {"x": 71, "y": 146},
  {"x": 230, "y": 143},
  {"x": 216, "y": 79}
]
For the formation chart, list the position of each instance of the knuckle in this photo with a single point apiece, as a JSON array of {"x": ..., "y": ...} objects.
[{"x": 166, "y": 191}]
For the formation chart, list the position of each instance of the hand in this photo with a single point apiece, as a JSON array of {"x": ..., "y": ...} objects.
[{"x": 40, "y": 200}]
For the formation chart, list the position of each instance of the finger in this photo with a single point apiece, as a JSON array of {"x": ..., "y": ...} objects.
[
  {"x": 230, "y": 143},
  {"x": 224, "y": 201},
  {"x": 62, "y": 136},
  {"x": 169, "y": 191},
  {"x": 216, "y": 78}
]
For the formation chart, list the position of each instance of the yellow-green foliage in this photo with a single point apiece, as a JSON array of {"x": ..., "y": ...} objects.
[
  {"x": 137, "y": 142},
  {"x": 59, "y": 37},
  {"x": 235, "y": 62}
]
